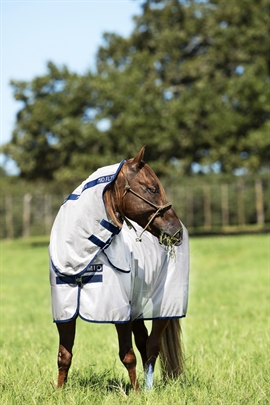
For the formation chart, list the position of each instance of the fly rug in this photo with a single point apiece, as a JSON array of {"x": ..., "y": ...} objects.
[{"x": 118, "y": 270}]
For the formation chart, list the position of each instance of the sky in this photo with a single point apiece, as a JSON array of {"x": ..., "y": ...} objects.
[{"x": 62, "y": 31}]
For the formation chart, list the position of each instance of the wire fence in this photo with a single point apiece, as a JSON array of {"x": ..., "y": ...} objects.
[{"x": 203, "y": 208}]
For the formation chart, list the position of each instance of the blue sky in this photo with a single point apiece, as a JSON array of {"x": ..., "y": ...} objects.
[{"x": 65, "y": 32}]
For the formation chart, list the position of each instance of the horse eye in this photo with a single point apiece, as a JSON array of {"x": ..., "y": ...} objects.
[{"x": 153, "y": 190}]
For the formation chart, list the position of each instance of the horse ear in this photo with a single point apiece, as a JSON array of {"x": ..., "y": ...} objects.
[{"x": 138, "y": 158}]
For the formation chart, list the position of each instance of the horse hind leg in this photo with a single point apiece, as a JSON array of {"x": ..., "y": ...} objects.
[
  {"x": 126, "y": 353},
  {"x": 66, "y": 332}
]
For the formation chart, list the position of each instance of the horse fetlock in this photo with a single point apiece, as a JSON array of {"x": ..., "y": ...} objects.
[{"x": 149, "y": 377}]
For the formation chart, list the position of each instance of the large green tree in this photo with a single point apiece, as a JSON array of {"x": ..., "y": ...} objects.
[
  {"x": 55, "y": 134},
  {"x": 196, "y": 82},
  {"x": 191, "y": 82}
]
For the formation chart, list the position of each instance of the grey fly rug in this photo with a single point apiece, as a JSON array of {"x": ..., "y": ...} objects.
[{"x": 101, "y": 273}]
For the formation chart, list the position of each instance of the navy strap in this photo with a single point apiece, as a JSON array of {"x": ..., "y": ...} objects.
[
  {"x": 92, "y": 278},
  {"x": 110, "y": 227},
  {"x": 94, "y": 239}
]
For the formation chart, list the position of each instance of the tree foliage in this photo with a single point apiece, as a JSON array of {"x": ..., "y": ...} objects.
[{"x": 191, "y": 82}]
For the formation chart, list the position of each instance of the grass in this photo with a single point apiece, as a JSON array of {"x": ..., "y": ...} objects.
[{"x": 226, "y": 333}]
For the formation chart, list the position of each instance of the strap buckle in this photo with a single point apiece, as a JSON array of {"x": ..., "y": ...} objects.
[{"x": 79, "y": 281}]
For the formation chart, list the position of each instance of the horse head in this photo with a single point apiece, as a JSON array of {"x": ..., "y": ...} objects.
[{"x": 138, "y": 195}]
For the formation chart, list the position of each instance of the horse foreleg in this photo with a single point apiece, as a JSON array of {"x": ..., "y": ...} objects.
[
  {"x": 140, "y": 335},
  {"x": 126, "y": 353},
  {"x": 66, "y": 332},
  {"x": 153, "y": 344}
]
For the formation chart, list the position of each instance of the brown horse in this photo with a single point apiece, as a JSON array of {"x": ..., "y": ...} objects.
[{"x": 137, "y": 195}]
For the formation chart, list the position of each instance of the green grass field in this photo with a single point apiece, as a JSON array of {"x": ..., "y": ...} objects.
[{"x": 226, "y": 333}]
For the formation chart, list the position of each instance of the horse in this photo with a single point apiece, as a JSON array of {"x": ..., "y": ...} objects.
[{"x": 136, "y": 205}]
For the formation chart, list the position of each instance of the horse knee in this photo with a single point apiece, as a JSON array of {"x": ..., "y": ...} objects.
[
  {"x": 64, "y": 358},
  {"x": 129, "y": 359}
]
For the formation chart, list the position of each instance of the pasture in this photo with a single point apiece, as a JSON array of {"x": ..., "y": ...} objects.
[{"x": 226, "y": 333}]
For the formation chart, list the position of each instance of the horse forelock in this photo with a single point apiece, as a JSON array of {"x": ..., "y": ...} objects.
[
  {"x": 151, "y": 175},
  {"x": 133, "y": 176},
  {"x": 143, "y": 173}
]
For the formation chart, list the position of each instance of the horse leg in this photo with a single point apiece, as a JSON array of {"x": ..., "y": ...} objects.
[
  {"x": 66, "y": 332},
  {"x": 140, "y": 335},
  {"x": 126, "y": 353},
  {"x": 153, "y": 344}
]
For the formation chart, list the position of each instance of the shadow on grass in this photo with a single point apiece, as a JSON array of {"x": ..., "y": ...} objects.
[
  {"x": 38, "y": 244},
  {"x": 107, "y": 381},
  {"x": 104, "y": 381}
]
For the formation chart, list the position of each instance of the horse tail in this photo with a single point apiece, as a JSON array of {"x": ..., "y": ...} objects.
[{"x": 172, "y": 350}]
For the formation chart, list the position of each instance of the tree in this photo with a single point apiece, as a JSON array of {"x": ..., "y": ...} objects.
[
  {"x": 54, "y": 131},
  {"x": 197, "y": 83},
  {"x": 191, "y": 82}
]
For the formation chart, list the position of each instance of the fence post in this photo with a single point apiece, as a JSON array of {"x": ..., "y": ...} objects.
[
  {"x": 48, "y": 212},
  {"x": 259, "y": 201},
  {"x": 224, "y": 205},
  {"x": 189, "y": 207},
  {"x": 9, "y": 217},
  {"x": 26, "y": 214},
  {"x": 207, "y": 206},
  {"x": 240, "y": 202}
]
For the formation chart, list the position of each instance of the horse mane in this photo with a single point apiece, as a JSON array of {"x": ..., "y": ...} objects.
[{"x": 112, "y": 199}]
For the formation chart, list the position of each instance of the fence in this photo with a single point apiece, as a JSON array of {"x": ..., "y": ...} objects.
[{"x": 225, "y": 207}]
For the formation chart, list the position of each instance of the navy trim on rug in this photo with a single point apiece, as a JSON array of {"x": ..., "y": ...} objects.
[{"x": 93, "y": 183}]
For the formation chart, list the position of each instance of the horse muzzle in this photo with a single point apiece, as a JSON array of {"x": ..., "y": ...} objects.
[{"x": 171, "y": 240}]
